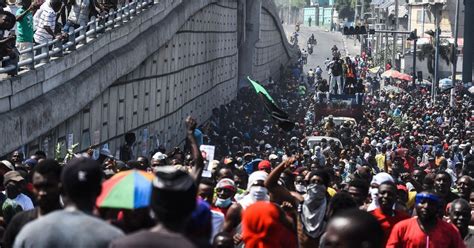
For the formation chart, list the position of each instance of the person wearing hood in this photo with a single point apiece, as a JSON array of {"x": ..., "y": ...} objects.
[
  {"x": 264, "y": 224},
  {"x": 385, "y": 214},
  {"x": 256, "y": 191},
  {"x": 377, "y": 180},
  {"x": 311, "y": 206},
  {"x": 318, "y": 156}
]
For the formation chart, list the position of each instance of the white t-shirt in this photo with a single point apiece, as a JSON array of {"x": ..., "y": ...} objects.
[
  {"x": 217, "y": 223},
  {"x": 46, "y": 16}
]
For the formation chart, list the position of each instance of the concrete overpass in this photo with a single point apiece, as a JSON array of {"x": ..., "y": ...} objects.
[{"x": 173, "y": 58}]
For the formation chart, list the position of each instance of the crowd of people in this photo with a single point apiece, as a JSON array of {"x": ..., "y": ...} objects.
[
  {"x": 24, "y": 23},
  {"x": 402, "y": 178}
]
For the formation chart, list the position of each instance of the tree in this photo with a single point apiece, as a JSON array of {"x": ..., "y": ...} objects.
[
  {"x": 292, "y": 3},
  {"x": 345, "y": 9},
  {"x": 427, "y": 52}
]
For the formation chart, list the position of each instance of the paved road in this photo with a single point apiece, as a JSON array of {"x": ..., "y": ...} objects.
[{"x": 326, "y": 40}]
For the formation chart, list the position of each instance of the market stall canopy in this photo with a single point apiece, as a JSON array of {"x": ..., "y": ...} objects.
[{"x": 391, "y": 74}]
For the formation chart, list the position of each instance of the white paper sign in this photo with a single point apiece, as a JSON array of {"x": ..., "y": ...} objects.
[{"x": 207, "y": 152}]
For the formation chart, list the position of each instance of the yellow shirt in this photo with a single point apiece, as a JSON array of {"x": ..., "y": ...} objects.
[
  {"x": 331, "y": 191},
  {"x": 411, "y": 199},
  {"x": 380, "y": 158}
]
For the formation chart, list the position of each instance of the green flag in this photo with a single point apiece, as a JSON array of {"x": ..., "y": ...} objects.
[
  {"x": 272, "y": 108},
  {"x": 260, "y": 89}
]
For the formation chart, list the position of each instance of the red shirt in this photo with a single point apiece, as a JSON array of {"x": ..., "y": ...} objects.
[
  {"x": 387, "y": 222},
  {"x": 409, "y": 163},
  {"x": 408, "y": 234}
]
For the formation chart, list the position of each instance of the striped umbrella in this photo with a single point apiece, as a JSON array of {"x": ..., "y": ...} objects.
[{"x": 126, "y": 190}]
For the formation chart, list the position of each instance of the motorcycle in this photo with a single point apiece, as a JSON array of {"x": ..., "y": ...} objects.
[{"x": 310, "y": 49}]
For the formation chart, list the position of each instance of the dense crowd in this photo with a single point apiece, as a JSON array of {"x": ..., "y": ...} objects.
[
  {"x": 25, "y": 23},
  {"x": 402, "y": 177}
]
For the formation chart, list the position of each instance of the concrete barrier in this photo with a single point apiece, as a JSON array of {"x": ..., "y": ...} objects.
[{"x": 176, "y": 58}]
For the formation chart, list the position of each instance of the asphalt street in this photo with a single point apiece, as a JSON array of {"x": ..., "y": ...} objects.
[{"x": 326, "y": 40}]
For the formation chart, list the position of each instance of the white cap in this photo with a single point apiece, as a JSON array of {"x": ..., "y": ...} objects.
[
  {"x": 159, "y": 156},
  {"x": 273, "y": 156}
]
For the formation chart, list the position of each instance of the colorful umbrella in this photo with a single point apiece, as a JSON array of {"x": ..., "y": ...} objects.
[
  {"x": 446, "y": 81},
  {"x": 404, "y": 77},
  {"x": 374, "y": 70},
  {"x": 126, "y": 190},
  {"x": 391, "y": 74}
]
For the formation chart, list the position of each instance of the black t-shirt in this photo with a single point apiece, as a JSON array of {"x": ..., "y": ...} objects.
[
  {"x": 16, "y": 224},
  {"x": 336, "y": 68}
]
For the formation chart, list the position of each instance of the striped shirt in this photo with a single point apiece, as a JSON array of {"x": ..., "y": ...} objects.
[{"x": 47, "y": 17}]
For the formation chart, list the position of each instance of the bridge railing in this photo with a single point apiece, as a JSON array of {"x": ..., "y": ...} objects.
[{"x": 37, "y": 55}]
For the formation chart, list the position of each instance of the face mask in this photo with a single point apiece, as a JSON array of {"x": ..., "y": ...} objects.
[
  {"x": 258, "y": 193},
  {"x": 223, "y": 203},
  {"x": 373, "y": 193},
  {"x": 315, "y": 195},
  {"x": 300, "y": 188}
]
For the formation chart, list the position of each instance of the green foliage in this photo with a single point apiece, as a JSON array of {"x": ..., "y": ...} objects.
[
  {"x": 427, "y": 52},
  {"x": 57, "y": 152},
  {"x": 345, "y": 8},
  {"x": 69, "y": 152},
  {"x": 292, "y": 3}
]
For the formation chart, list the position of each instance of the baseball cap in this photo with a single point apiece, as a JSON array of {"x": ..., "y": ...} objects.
[
  {"x": 159, "y": 156},
  {"x": 12, "y": 176},
  {"x": 81, "y": 177},
  {"x": 7, "y": 164},
  {"x": 264, "y": 164},
  {"x": 273, "y": 157}
]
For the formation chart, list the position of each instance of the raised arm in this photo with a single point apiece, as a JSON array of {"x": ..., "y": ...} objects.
[
  {"x": 197, "y": 157},
  {"x": 278, "y": 192}
]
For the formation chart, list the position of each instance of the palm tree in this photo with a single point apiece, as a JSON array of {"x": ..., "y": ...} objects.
[{"x": 427, "y": 52}]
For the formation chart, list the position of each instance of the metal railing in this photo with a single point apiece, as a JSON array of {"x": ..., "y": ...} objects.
[{"x": 37, "y": 55}]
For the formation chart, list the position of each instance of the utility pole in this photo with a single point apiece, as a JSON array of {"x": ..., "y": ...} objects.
[
  {"x": 414, "y": 37},
  {"x": 394, "y": 48},
  {"x": 356, "y": 13},
  {"x": 362, "y": 12},
  {"x": 455, "y": 55},
  {"x": 468, "y": 49},
  {"x": 289, "y": 10},
  {"x": 385, "y": 52},
  {"x": 434, "y": 84}
]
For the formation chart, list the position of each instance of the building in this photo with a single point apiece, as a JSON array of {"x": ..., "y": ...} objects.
[
  {"x": 321, "y": 13},
  {"x": 383, "y": 16},
  {"x": 421, "y": 18}
]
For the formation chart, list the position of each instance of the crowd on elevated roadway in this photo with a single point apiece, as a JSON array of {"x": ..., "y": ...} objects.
[
  {"x": 24, "y": 23},
  {"x": 400, "y": 176}
]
